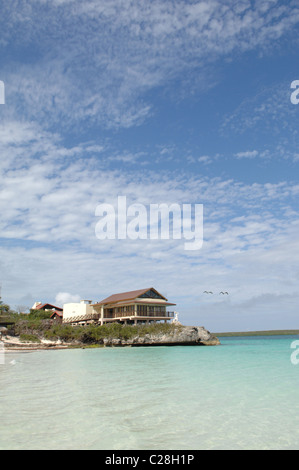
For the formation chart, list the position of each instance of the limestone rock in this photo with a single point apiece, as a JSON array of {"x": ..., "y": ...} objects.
[{"x": 183, "y": 335}]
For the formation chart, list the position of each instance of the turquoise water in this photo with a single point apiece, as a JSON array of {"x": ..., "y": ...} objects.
[{"x": 240, "y": 395}]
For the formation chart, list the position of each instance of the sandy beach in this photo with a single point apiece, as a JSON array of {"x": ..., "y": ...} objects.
[{"x": 12, "y": 343}]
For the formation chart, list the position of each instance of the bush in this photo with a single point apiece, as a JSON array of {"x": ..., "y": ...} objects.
[
  {"x": 39, "y": 314},
  {"x": 4, "y": 309},
  {"x": 63, "y": 332},
  {"x": 91, "y": 334},
  {"x": 29, "y": 338}
]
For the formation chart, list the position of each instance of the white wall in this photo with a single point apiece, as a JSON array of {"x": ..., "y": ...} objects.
[{"x": 77, "y": 309}]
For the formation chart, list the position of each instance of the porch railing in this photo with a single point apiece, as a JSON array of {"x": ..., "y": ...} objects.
[{"x": 143, "y": 314}]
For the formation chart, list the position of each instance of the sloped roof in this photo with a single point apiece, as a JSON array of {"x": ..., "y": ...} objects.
[
  {"x": 50, "y": 307},
  {"x": 56, "y": 312},
  {"x": 131, "y": 295}
]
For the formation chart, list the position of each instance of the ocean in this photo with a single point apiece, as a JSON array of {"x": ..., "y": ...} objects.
[{"x": 237, "y": 396}]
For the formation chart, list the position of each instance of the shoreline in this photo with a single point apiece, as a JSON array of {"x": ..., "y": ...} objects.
[
  {"x": 181, "y": 336},
  {"x": 258, "y": 333},
  {"x": 14, "y": 344}
]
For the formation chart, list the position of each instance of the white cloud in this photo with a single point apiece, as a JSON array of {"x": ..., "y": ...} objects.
[
  {"x": 271, "y": 114},
  {"x": 205, "y": 159},
  {"x": 49, "y": 245},
  {"x": 126, "y": 50},
  {"x": 65, "y": 298},
  {"x": 247, "y": 154},
  {"x": 100, "y": 60}
]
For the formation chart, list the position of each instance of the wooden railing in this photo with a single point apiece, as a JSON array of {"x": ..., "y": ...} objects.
[{"x": 143, "y": 314}]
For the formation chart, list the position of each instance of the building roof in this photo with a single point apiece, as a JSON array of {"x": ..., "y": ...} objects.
[
  {"x": 48, "y": 307},
  {"x": 57, "y": 313},
  {"x": 131, "y": 295}
]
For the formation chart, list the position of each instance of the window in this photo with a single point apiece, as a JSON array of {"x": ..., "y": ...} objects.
[{"x": 151, "y": 294}]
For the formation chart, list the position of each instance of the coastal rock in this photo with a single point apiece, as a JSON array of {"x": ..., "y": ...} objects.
[
  {"x": 3, "y": 331},
  {"x": 177, "y": 335},
  {"x": 183, "y": 335}
]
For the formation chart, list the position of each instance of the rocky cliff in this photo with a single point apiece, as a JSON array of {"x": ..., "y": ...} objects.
[
  {"x": 183, "y": 335},
  {"x": 162, "y": 335}
]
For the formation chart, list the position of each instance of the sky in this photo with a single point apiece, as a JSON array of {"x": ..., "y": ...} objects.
[{"x": 160, "y": 102}]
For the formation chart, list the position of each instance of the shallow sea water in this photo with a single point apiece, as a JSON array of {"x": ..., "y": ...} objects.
[{"x": 240, "y": 395}]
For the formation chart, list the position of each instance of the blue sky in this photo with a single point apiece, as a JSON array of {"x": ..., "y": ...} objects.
[{"x": 161, "y": 102}]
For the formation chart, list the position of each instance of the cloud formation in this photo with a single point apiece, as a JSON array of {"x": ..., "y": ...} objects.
[
  {"x": 97, "y": 60},
  {"x": 65, "y": 298},
  {"x": 48, "y": 199},
  {"x": 117, "y": 97}
]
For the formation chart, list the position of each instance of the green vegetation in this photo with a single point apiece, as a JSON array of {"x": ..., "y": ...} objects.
[
  {"x": 259, "y": 333},
  {"x": 29, "y": 338},
  {"x": 38, "y": 315},
  {"x": 95, "y": 334},
  {"x": 5, "y": 310},
  {"x": 37, "y": 325},
  {"x": 9, "y": 315}
]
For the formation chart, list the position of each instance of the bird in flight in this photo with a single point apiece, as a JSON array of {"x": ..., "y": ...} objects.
[
  {"x": 206, "y": 292},
  {"x": 223, "y": 293}
]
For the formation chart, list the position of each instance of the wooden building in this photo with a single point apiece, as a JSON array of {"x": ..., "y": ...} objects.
[
  {"x": 57, "y": 316},
  {"x": 138, "y": 306},
  {"x": 46, "y": 307},
  {"x": 56, "y": 313}
]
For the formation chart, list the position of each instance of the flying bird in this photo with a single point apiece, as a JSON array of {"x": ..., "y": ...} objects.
[
  {"x": 223, "y": 293},
  {"x": 206, "y": 292}
]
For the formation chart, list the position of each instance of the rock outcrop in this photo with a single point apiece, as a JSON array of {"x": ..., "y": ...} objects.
[
  {"x": 182, "y": 335},
  {"x": 177, "y": 335}
]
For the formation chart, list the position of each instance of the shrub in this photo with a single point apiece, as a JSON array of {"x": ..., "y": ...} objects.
[
  {"x": 65, "y": 333},
  {"x": 39, "y": 314},
  {"x": 29, "y": 338},
  {"x": 91, "y": 334}
]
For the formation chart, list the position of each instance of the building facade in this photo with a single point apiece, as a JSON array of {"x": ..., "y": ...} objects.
[
  {"x": 80, "y": 313},
  {"x": 139, "y": 306}
]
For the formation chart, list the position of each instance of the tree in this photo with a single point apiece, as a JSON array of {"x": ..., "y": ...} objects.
[{"x": 4, "y": 308}]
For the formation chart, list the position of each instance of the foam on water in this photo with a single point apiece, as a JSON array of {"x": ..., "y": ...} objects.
[{"x": 240, "y": 395}]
